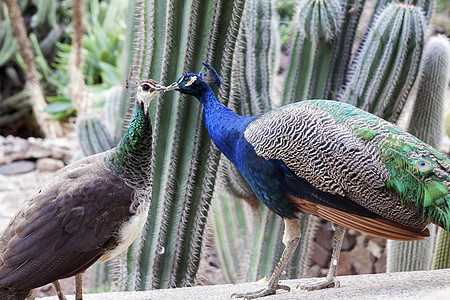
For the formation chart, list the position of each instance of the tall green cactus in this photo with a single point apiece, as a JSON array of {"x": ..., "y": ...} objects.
[
  {"x": 238, "y": 238},
  {"x": 427, "y": 122},
  {"x": 428, "y": 117},
  {"x": 342, "y": 48},
  {"x": 321, "y": 22},
  {"x": 386, "y": 65},
  {"x": 184, "y": 162}
]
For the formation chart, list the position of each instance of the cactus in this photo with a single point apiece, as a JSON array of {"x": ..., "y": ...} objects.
[
  {"x": 442, "y": 251},
  {"x": 428, "y": 117},
  {"x": 412, "y": 255},
  {"x": 93, "y": 135},
  {"x": 427, "y": 122},
  {"x": 238, "y": 238},
  {"x": 184, "y": 162},
  {"x": 395, "y": 43},
  {"x": 314, "y": 48},
  {"x": 427, "y": 6},
  {"x": 428, "y": 113},
  {"x": 342, "y": 48},
  {"x": 321, "y": 22}
]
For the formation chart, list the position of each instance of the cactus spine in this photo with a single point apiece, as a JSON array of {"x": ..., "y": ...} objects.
[
  {"x": 428, "y": 113},
  {"x": 395, "y": 43}
]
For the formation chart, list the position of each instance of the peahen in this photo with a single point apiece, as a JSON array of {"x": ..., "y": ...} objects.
[
  {"x": 90, "y": 211},
  {"x": 332, "y": 160}
]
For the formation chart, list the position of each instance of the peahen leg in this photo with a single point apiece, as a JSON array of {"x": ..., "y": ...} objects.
[
  {"x": 331, "y": 280},
  {"x": 78, "y": 286},
  {"x": 58, "y": 289},
  {"x": 291, "y": 238}
]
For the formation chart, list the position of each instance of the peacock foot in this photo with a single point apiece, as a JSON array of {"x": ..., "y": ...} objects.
[
  {"x": 329, "y": 282},
  {"x": 262, "y": 292}
]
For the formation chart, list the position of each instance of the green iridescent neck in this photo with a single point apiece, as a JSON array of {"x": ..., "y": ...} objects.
[{"x": 131, "y": 158}]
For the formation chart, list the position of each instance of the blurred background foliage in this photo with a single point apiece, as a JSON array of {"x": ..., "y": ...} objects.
[{"x": 49, "y": 28}]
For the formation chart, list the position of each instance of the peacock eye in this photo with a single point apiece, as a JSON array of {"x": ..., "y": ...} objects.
[
  {"x": 187, "y": 78},
  {"x": 423, "y": 165},
  {"x": 146, "y": 87}
]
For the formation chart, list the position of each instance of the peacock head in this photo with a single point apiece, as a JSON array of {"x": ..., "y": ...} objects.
[
  {"x": 196, "y": 84},
  {"x": 147, "y": 90}
]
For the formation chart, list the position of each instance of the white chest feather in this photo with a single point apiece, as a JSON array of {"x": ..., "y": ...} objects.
[{"x": 127, "y": 234}]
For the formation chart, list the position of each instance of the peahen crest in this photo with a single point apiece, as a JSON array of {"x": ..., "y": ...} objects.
[{"x": 209, "y": 75}]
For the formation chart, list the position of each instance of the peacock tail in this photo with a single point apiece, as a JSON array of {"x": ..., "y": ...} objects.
[{"x": 348, "y": 152}]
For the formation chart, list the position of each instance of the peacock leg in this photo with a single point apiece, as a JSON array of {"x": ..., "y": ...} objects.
[
  {"x": 58, "y": 289},
  {"x": 291, "y": 238},
  {"x": 78, "y": 286},
  {"x": 331, "y": 280}
]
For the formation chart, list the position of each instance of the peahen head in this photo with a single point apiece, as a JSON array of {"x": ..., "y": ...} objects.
[
  {"x": 197, "y": 85},
  {"x": 147, "y": 90}
]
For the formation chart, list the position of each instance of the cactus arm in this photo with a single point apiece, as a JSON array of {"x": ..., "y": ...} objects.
[
  {"x": 342, "y": 48},
  {"x": 382, "y": 88}
]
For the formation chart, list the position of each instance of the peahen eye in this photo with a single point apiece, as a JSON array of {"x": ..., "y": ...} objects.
[{"x": 146, "y": 87}]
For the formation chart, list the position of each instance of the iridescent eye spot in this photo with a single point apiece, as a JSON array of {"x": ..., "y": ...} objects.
[{"x": 423, "y": 165}]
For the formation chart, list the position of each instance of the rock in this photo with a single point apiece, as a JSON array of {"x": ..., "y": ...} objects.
[
  {"x": 324, "y": 236},
  {"x": 5, "y": 184},
  {"x": 17, "y": 167},
  {"x": 16, "y": 148},
  {"x": 362, "y": 260},
  {"x": 352, "y": 232},
  {"x": 313, "y": 271},
  {"x": 345, "y": 264},
  {"x": 320, "y": 255},
  {"x": 375, "y": 249},
  {"x": 380, "y": 265},
  {"x": 13, "y": 148},
  {"x": 349, "y": 242},
  {"x": 379, "y": 241},
  {"x": 49, "y": 164},
  {"x": 361, "y": 240}
]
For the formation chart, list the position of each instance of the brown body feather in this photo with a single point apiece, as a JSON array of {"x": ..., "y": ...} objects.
[
  {"x": 379, "y": 227},
  {"x": 64, "y": 228}
]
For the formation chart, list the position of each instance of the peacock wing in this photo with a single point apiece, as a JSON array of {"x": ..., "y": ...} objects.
[
  {"x": 336, "y": 148},
  {"x": 65, "y": 227}
]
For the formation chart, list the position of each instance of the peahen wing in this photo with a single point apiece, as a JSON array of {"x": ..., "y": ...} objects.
[
  {"x": 337, "y": 149},
  {"x": 65, "y": 227}
]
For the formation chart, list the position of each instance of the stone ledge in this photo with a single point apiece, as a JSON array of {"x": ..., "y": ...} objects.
[{"x": 430, "y": 285}]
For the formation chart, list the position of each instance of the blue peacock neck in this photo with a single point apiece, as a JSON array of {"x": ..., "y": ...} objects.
[
  {"x": 131, "y": 158},
  {"x": 225, "y": 127}
]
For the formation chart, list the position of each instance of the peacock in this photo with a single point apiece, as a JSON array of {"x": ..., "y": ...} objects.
[
  {"x": 90, "y": 211},
  {"x": 332, "y": 160}
]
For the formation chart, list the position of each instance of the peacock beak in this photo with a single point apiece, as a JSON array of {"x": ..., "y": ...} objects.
[{"x": 172, "y": 87}]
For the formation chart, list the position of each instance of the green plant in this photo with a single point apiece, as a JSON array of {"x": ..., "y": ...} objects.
[
  {"x": 426, "y": 123},
  {"x": 395, "y": 42}
]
